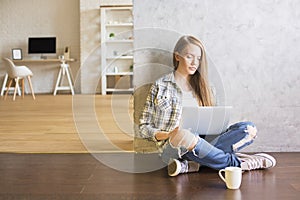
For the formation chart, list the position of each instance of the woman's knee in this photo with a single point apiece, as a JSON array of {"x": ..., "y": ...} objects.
[
  {"x": 248, "y": 123},
  {"x": 249, "y": 130},
  {"x": 245, "y": 127}
]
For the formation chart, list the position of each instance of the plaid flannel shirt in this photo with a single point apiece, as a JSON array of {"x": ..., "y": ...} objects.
[{"x": 162, "y": 110}]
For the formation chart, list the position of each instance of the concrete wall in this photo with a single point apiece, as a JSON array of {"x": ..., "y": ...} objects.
[
  {"x": 253, "y": 48},
  {"x": 20, "y": 19},
  {"x": 90, "y": 43}
]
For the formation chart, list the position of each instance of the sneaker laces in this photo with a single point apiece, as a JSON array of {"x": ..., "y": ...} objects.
[
  {"x": 184, "y": 166},
  {"x": 254, "y": 162}
]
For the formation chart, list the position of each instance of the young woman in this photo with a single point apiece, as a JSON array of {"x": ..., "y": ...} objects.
[{"x": 182, "y": 150}]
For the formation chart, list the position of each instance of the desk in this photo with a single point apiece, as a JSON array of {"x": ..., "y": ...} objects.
[
  {"x": 64, "y": 70},
  {"x": 44, "y": 60}
]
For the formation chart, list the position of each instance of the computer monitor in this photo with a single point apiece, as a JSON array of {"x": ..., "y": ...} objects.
[{"x": 41, "y": 45}]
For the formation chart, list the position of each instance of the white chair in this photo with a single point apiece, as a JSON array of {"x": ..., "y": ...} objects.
[
  {"x": 17, "y": 73},
  {"x": 4, "y": 88}
]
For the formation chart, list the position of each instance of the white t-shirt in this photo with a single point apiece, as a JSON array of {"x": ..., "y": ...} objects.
[{"x": 188, "y": 99}]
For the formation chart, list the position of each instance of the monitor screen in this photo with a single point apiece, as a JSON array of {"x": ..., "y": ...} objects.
[{"x": 42, "y": 45}]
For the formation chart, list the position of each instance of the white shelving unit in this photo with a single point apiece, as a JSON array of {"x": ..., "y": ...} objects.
[{"x": 116, "y": 49}]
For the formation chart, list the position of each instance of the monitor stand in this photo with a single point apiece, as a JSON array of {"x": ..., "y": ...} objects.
[{"x": 43, "y": 57}]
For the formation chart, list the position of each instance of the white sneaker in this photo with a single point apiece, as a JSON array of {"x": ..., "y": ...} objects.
[
  {"x": 176, "y": 167},
  {"x": 256, "y": 161}
]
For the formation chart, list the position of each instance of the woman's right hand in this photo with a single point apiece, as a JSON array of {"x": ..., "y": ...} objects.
[{"x": 162, "y": 135}]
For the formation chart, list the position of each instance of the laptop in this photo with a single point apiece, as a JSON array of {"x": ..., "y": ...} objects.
[{"x": 205, "y": 120}]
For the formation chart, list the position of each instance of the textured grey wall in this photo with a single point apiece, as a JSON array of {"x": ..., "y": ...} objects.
[{"x": 253, "y": 48}]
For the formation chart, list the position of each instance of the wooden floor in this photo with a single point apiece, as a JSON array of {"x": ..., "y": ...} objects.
[
  {"x": 47, "y": 124},
  {"x": 81, "y": 176},
  {"x": 46, "y": 146}
]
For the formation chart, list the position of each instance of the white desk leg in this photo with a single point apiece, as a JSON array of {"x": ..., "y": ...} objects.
[
  {"x": 69, "y": 80},
  {"x": 58, "y": 81},
  {"x": 5, "y": 88},
  {"x": 64, "y": 70}
]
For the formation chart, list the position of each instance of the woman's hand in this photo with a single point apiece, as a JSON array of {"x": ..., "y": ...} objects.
[{"x": 163, "y": 135}]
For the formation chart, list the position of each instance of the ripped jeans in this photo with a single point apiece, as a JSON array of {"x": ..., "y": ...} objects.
[{"x": 220, "y": 152}]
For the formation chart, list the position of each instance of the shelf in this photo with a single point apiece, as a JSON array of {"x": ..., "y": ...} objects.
[
  {"x": 119, "y": 41},
  {"x": 119, "y": 25},
  {"x": 117, "y": 8},
  {"x": 121, "y": 57},
  {"x": 119, "y": 90},
  {"x": 119, "y": 74},
  {"x": 117, "y": 51}
]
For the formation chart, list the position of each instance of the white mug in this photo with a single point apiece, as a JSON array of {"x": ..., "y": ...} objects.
[{"x": 233, "y": 177}]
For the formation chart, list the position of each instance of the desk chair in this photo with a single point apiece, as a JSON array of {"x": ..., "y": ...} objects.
[
  {"x": 17, "y": 73},
  {"x": 4, "y": 88}
]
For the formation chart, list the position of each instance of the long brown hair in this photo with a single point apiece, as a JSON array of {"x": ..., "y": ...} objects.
[{"x": 198, "y": 81}]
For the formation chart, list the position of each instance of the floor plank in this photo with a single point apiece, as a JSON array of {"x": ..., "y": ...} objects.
[{"x": 81, "y": 176}]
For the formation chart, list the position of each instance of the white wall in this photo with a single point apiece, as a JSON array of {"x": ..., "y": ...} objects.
[
  {"x": 20, "y": 19},
  {"x": 254, "y": 46}
]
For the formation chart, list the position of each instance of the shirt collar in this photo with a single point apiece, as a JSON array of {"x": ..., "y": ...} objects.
[{"x": 170, "y": 77}]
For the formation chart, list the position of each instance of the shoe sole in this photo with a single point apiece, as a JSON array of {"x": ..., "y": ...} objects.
[
  {"x": 271, "y": 158},
  {"x": 173, "y": 168}
]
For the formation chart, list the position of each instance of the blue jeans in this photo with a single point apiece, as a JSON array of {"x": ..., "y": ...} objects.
[{"x": 218, "y": 153}]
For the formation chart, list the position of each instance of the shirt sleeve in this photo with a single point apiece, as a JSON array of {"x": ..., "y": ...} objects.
[{"x": 146, "y": 124}]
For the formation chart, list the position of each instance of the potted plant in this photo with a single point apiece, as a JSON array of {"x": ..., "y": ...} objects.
[{"x": 111, "y": 35}]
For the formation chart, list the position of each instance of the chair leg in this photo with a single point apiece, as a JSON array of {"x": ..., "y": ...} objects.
[
  {"x": 16, "y": 87},
  {"x": 29, "y": 81},
  {"x": 23, "y": 87},
  {"x": 4, "y": 84},
  {"x": 9, "y": 84}
]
